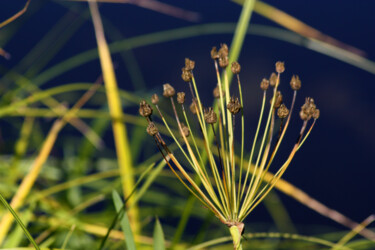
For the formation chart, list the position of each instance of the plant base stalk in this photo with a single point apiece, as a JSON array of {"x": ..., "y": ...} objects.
[{"x": 236, "y": 232}]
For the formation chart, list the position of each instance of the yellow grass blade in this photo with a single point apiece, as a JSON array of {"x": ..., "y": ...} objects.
[{"x": 115, "y": 109}]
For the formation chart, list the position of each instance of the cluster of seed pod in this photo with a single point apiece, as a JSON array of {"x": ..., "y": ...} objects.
[{"x": 232, "y": 197}]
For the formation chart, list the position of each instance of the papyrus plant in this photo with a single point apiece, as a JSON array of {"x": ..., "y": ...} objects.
[{"x": 230, "y": 187}]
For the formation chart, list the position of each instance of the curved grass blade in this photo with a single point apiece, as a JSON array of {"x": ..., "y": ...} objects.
[
  {"x": 121, "y": 212},
  {"x": 20, "y": 223},
  {"x": 159, "y": 243},
  {"x": 124, "y": 222}
]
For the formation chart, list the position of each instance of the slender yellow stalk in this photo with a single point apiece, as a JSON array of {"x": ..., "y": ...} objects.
[{"x": 115, "y": 109}]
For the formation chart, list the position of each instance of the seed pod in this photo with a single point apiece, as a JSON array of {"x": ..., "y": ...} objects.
[
  {"x": 234, "y": 105},
  {"x": 283, "y": 111},
  {"x": 185, "y": 130},
  {"x": 145, "y": 109},
  {"x": 295, "y": 82},
  {"x": 316, "y": 114},
  {"x": 264, "y": 84},
  {"x": 308, "y": 109},
  {"x": 168, "y": 90},
  {"x": 214, "y": 53},
  {"x": 152, "y": 129},
  {"x": 273, "y": 79},
  {"x": 181, "y": 97},
  {"x": 186, "y": 75},
  {"x": 223, "y": 61},
  {"x": 223, "y": 51},
  {"x": 189, "y": 64},
  {"x": 193, "y": 107},
  {"x": 236, "y": 68},
  {"x": 216, "y": 92},
  {"x": 304, "y": 116},
  {"x": 210, "y": 116},
  {"x": 155, "y": 99},
  {"x": 280, "y": 68},
  {"x": 278, "y": 101}
]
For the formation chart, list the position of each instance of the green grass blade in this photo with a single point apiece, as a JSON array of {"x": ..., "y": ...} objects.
[
  {"x": 20, "y": 223},
  {"x": 124, "y": 223},
  {"x": 159, "y": 243}
]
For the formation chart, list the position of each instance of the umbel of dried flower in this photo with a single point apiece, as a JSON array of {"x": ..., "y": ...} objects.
[{"x": 231, "y": 189}]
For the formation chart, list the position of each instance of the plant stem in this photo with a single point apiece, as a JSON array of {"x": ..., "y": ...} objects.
[{"x": 236, "y": 237}]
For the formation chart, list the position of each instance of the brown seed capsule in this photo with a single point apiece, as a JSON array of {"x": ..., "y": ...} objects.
[
  {"x": 216, "y": 92},
  {"x": 193, "y": 107},
  {"x": 278, "y": 101},
  {"x": 214, "y": 53},
  {"x": 273, "y": 79},
  {"x": 181, "y": 97},
  {"x": 210, "y": 116},
  {"x": 223, "y": 51},
  {"x": 168, "y": 90},
  {"x": 316, "y": 114},
  {"x": 155, "y": 99},
  {"x": 295, "y": 82},
  {"x": 189, "y": 64},
  {"x": 223, "y": 61},
  {"x": 283, "y": 111},
  {"x": 264, "y": 84},
  {"x": 145, "y": 109},
  {"x": 185, "y": 130},
  {"x": 152, "y": 129},
  {"x": 236, "y": 68},
  {"x": 308, "y": 109},
  {"x": 186, "y": 75},
  {"x": 304, "y": 116},
  {"x": 234, "y": 105},
  {"x": 309, "y": 106},
  {"x": 280, "y": 68}
]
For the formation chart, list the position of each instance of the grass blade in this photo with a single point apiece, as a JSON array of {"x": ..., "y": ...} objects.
[
  {"x": 125, "y": 224},
  {"x": 20, "y": 223},
  {"x": 114, "y": 103},
  {"x": 159, "y": 243}
]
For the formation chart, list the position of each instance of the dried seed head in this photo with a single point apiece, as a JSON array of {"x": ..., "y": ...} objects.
[
  {"x": 186, "y": 75},
  {"x": 295, "y": 82},
  {"x": 189, "y": 64},
  {"x": 234, "y": 105},
  {"x": 223, "y": 51},
  {"x": 210, "y": 116},
  {"x": 308, "y": 109},
  {"x": 216, "y": 92},
  {"x": 214, "y": 53},
  {"x": 304, "y": 116},
  {"x": 193, "y": 107},
  {"x": 155, "y": 99},
  {"x": 145, "y": 109},
  {"x": 236, "y": 68},
  {"x": 264, "y": 84},
  {"x": 152, "y": 129},
  {"x": 278, "y": 100},
  {"x": 273, "y": 79},
  {"x": 168, "y": 90},
  {"x": 280, "y": 68},
  {"x": 316, "y": 114},
  {"x": 223, "y": 56},
  {"x": 223, "y": 61},
  {"x": 181, "y": 97},
  {"x": 283, "y": 111},
  {"x": 185, "y": 130}
]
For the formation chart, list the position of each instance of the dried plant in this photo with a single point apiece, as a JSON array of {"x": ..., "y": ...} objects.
[{"x": 230, "y": 187}]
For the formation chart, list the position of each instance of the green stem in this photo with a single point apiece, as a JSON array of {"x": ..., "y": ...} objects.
[{"x": 236, "y": 237}]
